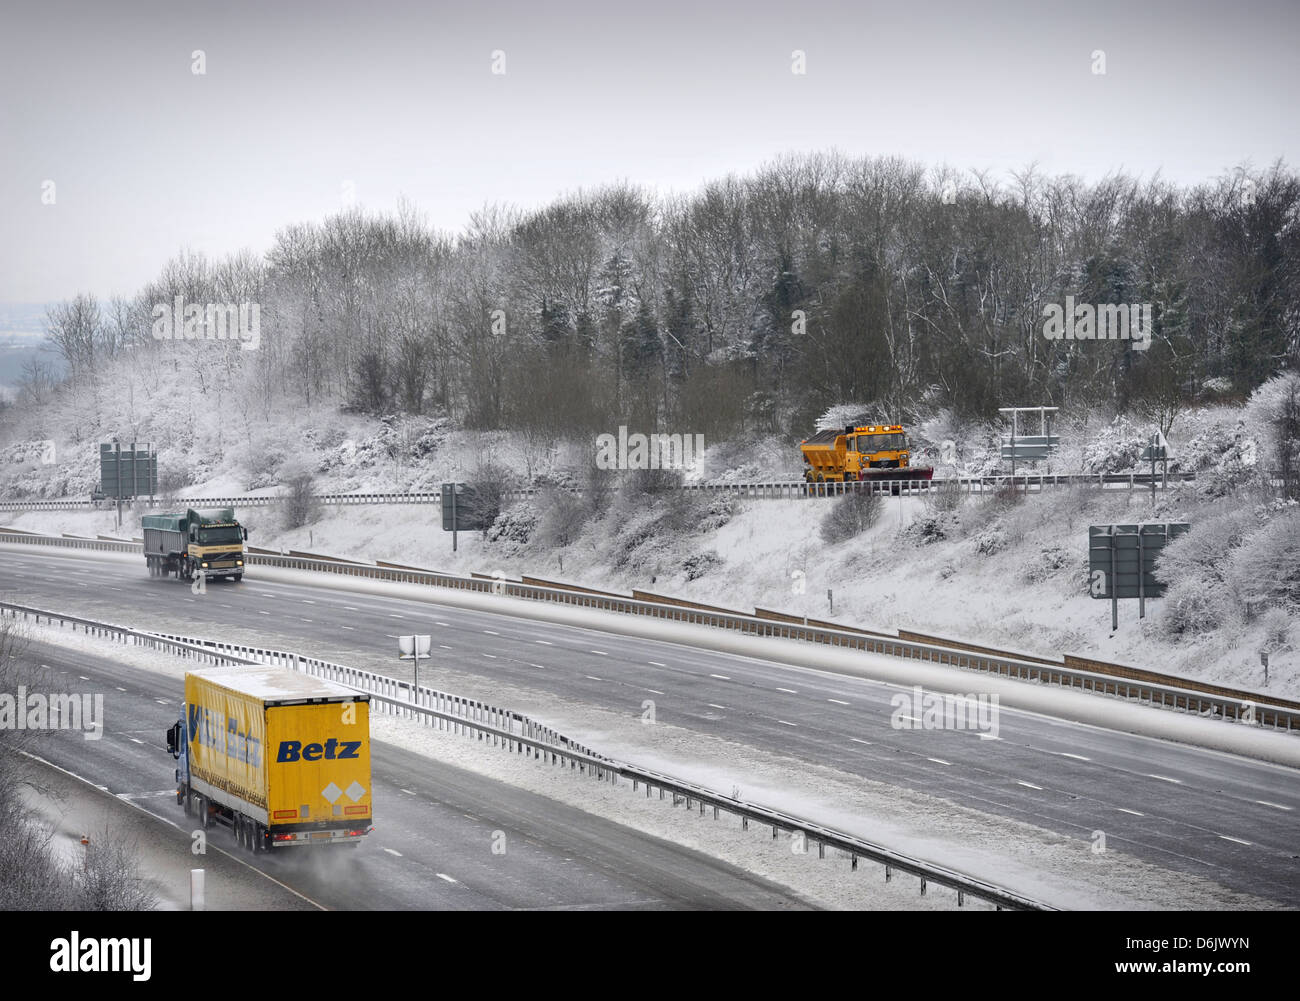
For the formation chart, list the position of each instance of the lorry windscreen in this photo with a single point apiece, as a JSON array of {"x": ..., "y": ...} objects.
[{"x": 220, "y": 536}]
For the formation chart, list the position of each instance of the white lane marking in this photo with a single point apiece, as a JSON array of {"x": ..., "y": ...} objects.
[
  {"x": 437, "y": 623},
  {"x": 592, "y": 677},
  {"x": 788, "y": 691},
  {"x": 1126, "y": 810},
  {"x": 858, "y": 740},
  {"x": 81, "y": 676},
  {"x": 119, "y": 688},
  {"x": 838, "y": 702},
  {"x": 714, "y": 705},
  {"x": 656, "y": 663},
  {"x": 301, "y": 619},
  {"x": 490, "y": 656},
  {"x": 260, "y": 612},
  {"x": 491, "y": 632},
  {"x": 391, "y": 852},
  {"x": 1164, "y": 778},
  {"x": 308, "y": 601},
  {"x": 1076, "y": 757},
  {"x": 162, "y": 702},
  {"x": 394, "y": 615},
  {"x": 1275, "y": 806},
  {"x": 939, "y": 761},
  {"x": 601, "y": 652},
  {"x": 408, "y": 792},
  {"x": 443, "y": 646},
  {"x": 1237, "y": 840},
  {"x": 443, "y": 875},
  {"x": 134, "y": 741},
  {"x": 653, "y": 690},
  {"x": 540, "y": 667},
  {"x": 913, "y": 719},
  {"x": 1029, "y": 785},
  {"x": 787, "y": 722},
  {"x": 353, "y": 628},
  {"x": 349, "y": 608},
  {"x": 544, "y": 642},
  {"x": 391, "y": 636},
  {"x": 266, "y": 594},
  {"x": 720, "y": 677}
]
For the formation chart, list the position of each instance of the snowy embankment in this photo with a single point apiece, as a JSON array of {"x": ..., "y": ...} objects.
[{"x": 1033, "y": 861}]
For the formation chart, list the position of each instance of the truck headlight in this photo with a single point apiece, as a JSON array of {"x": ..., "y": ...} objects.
[{"x": 203, "y": 565}]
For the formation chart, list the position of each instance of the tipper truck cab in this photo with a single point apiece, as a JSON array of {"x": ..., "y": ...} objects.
[
  {"x": 206, "y": 542},
  {"x": 279, "y": 757}
]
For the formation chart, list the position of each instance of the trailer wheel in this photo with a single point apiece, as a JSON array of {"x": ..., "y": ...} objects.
[
  {"x": 205, "y": 821},
  {"x": 183, "y": 797}
]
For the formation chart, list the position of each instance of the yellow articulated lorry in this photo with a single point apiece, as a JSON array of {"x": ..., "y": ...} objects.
[{"x": 277, "y": 756}]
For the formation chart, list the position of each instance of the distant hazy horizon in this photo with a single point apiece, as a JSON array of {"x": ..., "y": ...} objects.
[{"x": 303, "y": 102}]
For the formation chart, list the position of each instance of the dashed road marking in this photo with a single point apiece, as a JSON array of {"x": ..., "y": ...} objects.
[
  {"x": 1076, "y": 757},
  {"x": 788, "y": 691},
  {"x": 787, "y": 722},
  {"x": 1164, "y": 778},
  {"x": 714, "y": 705},
  {"x": 1275, "y": 806},
  {"x": 490, "y": 656},
  {"x": 838, "y": 702},
  {"x": 391, "y": 852},
  {"x": 939, "y": 761},
  {"x": 656, "y": 663},
  {"x": 1126, "y": 810},
  {"x": 1237, "y": 840},
  {"x": 720, "y": 677},
  {"x": 544, "y": 642},
  {"x": 654, "y": 691},
  {"x": 859, "y": 740},
  {"x": 443, "y": 875},
  {"x": 592, "y": 677},
  {"x": 407, "y": 791},
  {"x": 491, "y": 632},
  {"x": 1029, "y": 785},
  {"x": 602, "y": 653}
]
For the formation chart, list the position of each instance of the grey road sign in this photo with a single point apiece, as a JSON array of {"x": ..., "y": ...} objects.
[
  {"x": 128, "y": 471},
  {"x": 462, "y": 509},
  {"x": 1122, "y": 559}
]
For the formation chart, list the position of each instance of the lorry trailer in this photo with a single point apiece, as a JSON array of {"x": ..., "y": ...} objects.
[{"x": 280, "y": 758}]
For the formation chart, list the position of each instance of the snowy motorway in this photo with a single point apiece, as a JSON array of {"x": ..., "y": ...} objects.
[
  {"x": 432, "y": 848},
  {"x": 1208, "y": 814}
]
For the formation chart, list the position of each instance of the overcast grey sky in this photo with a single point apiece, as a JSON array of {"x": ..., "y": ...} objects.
[{"x": 399, "y": 98}]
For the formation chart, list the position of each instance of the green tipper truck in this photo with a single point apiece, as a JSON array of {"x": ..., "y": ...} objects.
[{"x": 206, "y": 542}]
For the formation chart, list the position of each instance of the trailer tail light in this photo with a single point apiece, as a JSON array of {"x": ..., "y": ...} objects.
[{"x": 284, "y": 837}]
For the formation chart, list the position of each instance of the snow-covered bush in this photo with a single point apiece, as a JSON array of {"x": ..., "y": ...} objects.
[
  {"x": 1047, "y": 563},
  {"x": 1267, "y": 564},
  {"x": 514, "y": 525},
  {"x": 699, "y": 564},
  {"x": 1202, "y": 592},
  {"x": 850, "y": 516}
]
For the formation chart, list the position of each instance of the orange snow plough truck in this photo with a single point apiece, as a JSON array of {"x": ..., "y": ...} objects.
[{"x": 867, "y": 452}]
